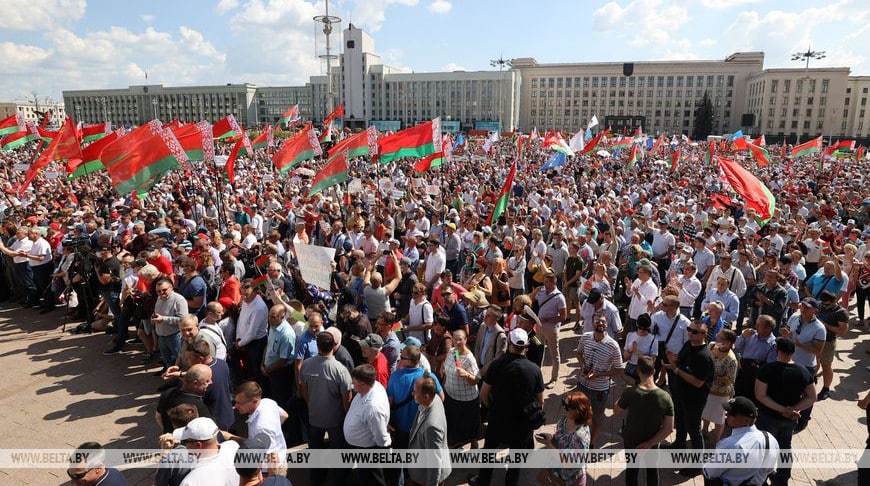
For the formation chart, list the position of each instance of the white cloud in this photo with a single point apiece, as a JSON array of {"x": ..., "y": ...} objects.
[
  {"x": 440, "y": 6},
  {"x": 452, "y": 66},
  {"x": 225, "y": 6},
  {"x": 19, "y": 57},
  {"x": 707, "y": 42},
  {"x": 723, "y": 4},
  {"x": 147, "y": 18},
  {"x": 650, "y": 22},
  {"x": 372, "y": 13},
  {"x": 40, "y": 14},
  {"x": 393, "y": 58}
]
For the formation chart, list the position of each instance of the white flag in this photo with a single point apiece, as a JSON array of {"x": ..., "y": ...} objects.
[
  {"x": 489, "y": 141},
  {"x": 576, "y": 143},
  {"x": 593, "y": 122}
]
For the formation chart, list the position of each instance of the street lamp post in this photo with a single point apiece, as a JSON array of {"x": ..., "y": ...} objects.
[
  {"x": 502, "y": 63},
  {"x": 154, "y": 103},
  {"x": 805, "y": 56},
  {"x": 105, "y": 109},
  {"x": 327, "y": 21}
]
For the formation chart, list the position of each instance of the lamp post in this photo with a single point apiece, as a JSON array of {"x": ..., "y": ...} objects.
[
  {"x": 154, "y": 103},
  {"x": 105, "y": 109},
  {"x": 502, "y": 63},
  {"x": 805, "y": 56},
  {"x": 327, "y": 21}
]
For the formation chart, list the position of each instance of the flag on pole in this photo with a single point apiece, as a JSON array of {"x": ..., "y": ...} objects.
[
  {"x": 299, "y": 147},
  {"x": 290, "y": 116},
  {"x": 807, "y": 148},
  {"x": 754, "y": 193},
  {"x": 96, "y": 132},
  {"x": 592, "y": 122},
  {"x": 487, "y": 146},
  {"x": 576, "y": 142},
  {"x": 760, "y": 141},
  {"x": 362, "y": 144},
  {"x": 593, "y": 143},
  {"x": 556, "y": 160},
  {"x": 657, "y": 144},
  {"x": 675, "y": 160},
  {"x": 844, "y": 146},
  {"x": 519, "y": 147},
  {"x": 90, "y": 161},
  {"x": 264, "y": 139},
  {"x": 333, "y": 173},
  {"x": 197, "y": 140},
  {"x": 622, "y": 143},
  {"x": 504, "y": 196},
  {"x": 417, "y": 141},
  {"x": 230, "y": 166},
  {"x": 711, "y": 152},
  {"x": 633, "y": 157},
  {"x": 19, "y": 139},
  {"x": 140, "y": 158},
  {"x": 226, "y": 127},
  {"x": 12, "y": 124},
  {"x": 555, "y": 142},
  {"x": 760, "y": 154},
  {"x": 337, "y": 113},
  {"x": 64, "y": 146}
]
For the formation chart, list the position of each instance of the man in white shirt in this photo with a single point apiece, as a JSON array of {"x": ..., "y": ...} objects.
[
  {"x": 22, "y": 271},
  {"x": 643, "y": 292},
  {"x": 436, "y": 263},
  {"x": 365, "y": 425},
  {"x": 264, "y": 417},
  {"x": 736, "y": 281},
  {"x": 760, "y": 449},
  {"x": 216, "y": 463},
  {"x": 689, "y": 286}
]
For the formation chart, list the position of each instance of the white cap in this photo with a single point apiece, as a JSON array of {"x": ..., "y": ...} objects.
[
  {"x": 519, "y": 337},
  {"x": 200, "y": 428}
]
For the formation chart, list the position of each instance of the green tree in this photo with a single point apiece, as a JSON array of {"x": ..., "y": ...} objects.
[{"x": 703, "y": 119}]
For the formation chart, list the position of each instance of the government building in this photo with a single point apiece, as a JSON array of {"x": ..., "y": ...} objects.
[{"x": 660, "y": 96}]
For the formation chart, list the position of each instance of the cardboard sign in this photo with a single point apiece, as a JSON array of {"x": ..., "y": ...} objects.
[
  {"x": 315, "y": 263},
  {"x": 397, "y": 194},
  {"x": 433, "y": 190},
  {"x": 355, "y": 186},
  {"x": 52, "y": 174},
  {"x": 21, "y": 166}
]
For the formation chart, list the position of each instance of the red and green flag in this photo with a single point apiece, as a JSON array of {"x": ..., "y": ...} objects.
[
  {"x": 45, "y": 135},
  {"x": 675, "y": 160},
  {"x": 136, "y": 161},
  {"x": 19, "y": 139},
  {"x": 333, "y": 173},
  {"x": 840, "y": 147},
  {"x": 557, "y": 143},
  {"x": 12, "y": 124},
  {"x": 589, "y": 147},
  {"x": 859, "y": 154},
  {"x": 90, "y": 161},
  {"x": 807, "y": 148},
  {"x": 739, "y": 143},
  {"x": 438, "y": 158},
  {"x": 230, "y": 166},
  {"x": 226, "y": 128},
  {"x": 759, "y": 153},
  {"x": 418, "y": 141},
  {"x": 504, "y": 197},
  {"x": 263, "y": 260},
  {"x": 657, "y": 144},
  {"x": 264, "y": 139},
  {"x": 362, "y": 144},
  {"x": 760, "y": 141},
  {"x": 337, "y": 113},
  {"x": 711, "y": 152},
  {"x": 520, "y": 147},
  {"x": 260, "y": 281},
  {"x": 302, "y": 146},
  {"x": 95, "y": 132},
  {"x": 754, "y": 193},
  {"x": 65, "y": 146},
  {"x": 633, "y": 157},
  {"x": 290, "y": 116},
  {"x": 622, "y": 143},
  {"x": 196, "y": 139}
]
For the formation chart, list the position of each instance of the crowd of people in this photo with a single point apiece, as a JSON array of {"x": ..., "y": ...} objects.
[{"x": 440, "y": 322}]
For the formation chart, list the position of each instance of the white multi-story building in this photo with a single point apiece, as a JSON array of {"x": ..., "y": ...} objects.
[
  {"x": 660, "y": 96},
  {"x": 35, "y": 112}
]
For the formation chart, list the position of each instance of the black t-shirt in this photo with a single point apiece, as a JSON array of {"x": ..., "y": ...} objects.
[
  {"x": 515, "y": 381},
  {"x": 786, "y": 383},
  {"x": 172, "y": 398},
  {"x": 698, "y": 362},
  {"x": 535, "y": 353},
  {"x": 831, "y": 317},
  {"x": 111, "y": 266}
]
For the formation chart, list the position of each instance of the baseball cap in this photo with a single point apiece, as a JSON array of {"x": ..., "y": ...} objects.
[
  {"x": 810, "y": 302},
  {"x": 450, "y": 225},
  {"x": 741, "y": 406},
  {"x": 200, "y": 428},
  {"x": 519, "y": 337},
  {"x": 373, "y": 341},
  {"x": 405, "y": 261}
]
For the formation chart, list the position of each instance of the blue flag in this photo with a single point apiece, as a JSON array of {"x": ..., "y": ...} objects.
[
  {"x": 460, "y": 141},
  {"x": 557, "y": 160},
  {"x": 649, "y": 143},
  {"x": 588, "y": 133},
  {"x": 737, "y": 134}
]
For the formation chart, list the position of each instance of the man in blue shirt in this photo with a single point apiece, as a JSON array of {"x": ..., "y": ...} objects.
[
  {"x": 808, "y": 334},
  {"x": 280, "y": 352},
  {"x": 729, "y": 300},
  {"x": 831, "y": 278}
]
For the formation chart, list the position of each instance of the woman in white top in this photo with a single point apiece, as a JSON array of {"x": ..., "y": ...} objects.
[
  {"x": 461, "y": 396},
  {"x": 639, "y": 343}
]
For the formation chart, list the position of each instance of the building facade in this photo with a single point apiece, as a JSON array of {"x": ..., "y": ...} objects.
[
  {"x": 35, "y": 112},
  {"x": 660, "y": 96}
]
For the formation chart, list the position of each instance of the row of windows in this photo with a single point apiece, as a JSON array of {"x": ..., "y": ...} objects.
[
  {"x": 640, "y": 93},
  {"x": 639, "y": 81},
  {"x": 649, "y": 103},
  {"x": 652, "y": 127}
]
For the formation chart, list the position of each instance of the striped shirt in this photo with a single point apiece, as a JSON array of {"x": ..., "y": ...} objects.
[{"x": 599, "y": 357}]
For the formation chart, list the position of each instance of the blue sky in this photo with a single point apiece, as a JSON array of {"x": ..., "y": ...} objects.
[{"x": 47, "y": 46}]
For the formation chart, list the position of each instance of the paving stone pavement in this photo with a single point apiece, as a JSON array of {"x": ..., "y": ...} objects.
[{"x": 59, "y": 391}]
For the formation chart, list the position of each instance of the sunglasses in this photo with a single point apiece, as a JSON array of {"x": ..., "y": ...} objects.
[
  {"x": 78, "y": 476},
  {"x": 695, "y": 331}
]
